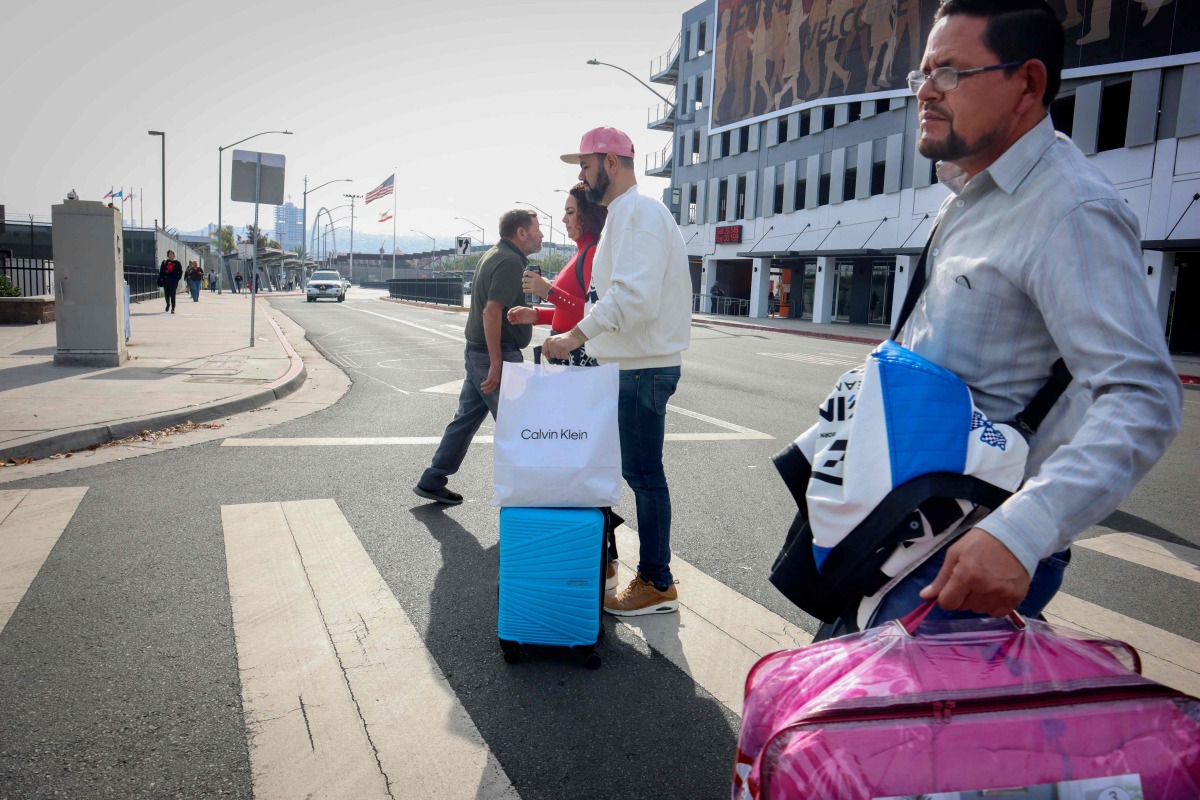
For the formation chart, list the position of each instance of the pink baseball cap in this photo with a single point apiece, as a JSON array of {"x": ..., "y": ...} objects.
[{"x": 602, "y": 140}]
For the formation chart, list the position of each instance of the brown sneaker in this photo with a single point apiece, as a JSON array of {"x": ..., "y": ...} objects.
[
  {"x": 610, "y": 579},
  {"x": 640, "y": 597}
]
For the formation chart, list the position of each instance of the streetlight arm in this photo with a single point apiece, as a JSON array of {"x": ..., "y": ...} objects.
[
  {"x": 248, "y": 138},
  {"x": 326, "y": 183},
  {"x": 594, "y": 63}
]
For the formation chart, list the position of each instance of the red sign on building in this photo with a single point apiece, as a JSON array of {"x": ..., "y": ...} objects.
[{"x": 729, "y": 234}]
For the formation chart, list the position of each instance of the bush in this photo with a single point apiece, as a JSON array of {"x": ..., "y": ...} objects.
[{"x": 7, "y": 289}]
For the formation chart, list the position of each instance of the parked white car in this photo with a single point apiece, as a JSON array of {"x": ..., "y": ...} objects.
[{"x": 326, "y": 283}]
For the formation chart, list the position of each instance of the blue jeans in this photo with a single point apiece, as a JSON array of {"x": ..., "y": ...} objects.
[
  {"x": 641, "y": 417},
  {"x": 473, "y": 408},
  {"x": 194, "y": 286},
  {"x": 1047, "y": 578}
]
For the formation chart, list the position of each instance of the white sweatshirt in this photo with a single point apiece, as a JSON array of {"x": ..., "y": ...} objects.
[{"x": 640, "y": 302}]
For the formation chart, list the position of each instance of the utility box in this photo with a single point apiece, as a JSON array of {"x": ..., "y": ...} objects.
[{"x": 89, "y": 285}]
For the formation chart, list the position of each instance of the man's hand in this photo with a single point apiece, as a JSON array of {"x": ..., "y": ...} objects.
[
  {"x": 979, "y": 574},
  {"x": 532, "y": 283},
  {"x": 522, "y": 316},
  {"x": 492, "y": 382},
  {"x": 559, "y": 346}
]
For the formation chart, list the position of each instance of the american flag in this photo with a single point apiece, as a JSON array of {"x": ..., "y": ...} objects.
[
  {"x": 385, "y": 216},
  {"x": 382, "y": 190}
]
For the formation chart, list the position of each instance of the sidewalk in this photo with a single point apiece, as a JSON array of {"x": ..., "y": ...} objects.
[
  {"x": 195, "y": 365},
  {"x": 1187, "y": 366}
]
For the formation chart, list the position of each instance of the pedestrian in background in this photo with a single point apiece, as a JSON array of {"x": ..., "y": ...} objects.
[
  {"x": 639, "y": 318},
  {"x": 194, "y": 277},
  {"x": 237, "y": 279},
  {"x": 170, "y": 273},
  {"x": 212, "y": 280},
  {"x": 491, "y": 339}
]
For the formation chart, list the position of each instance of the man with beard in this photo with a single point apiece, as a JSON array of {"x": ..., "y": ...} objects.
[
  {"x": 1034, "y": 257},
  {"x": 638, "y": 316}
]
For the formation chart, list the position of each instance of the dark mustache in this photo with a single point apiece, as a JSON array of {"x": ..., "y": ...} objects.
[{"x": 936, "y": 109}]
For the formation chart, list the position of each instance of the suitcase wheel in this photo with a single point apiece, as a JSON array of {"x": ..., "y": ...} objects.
[
  {"x": 592, "y": 660},
  {"x": 511, "y": 650}
]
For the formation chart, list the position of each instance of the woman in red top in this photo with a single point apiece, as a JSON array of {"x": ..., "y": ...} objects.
[{"x": 583, "y": 220}]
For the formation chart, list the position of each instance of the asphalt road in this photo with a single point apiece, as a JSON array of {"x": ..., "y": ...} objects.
[{"x": 120, "y": 667}]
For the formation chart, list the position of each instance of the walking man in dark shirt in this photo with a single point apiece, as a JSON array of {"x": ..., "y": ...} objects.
[{"x": 491, "y": 339}]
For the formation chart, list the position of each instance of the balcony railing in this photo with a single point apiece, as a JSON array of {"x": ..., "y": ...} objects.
[
  {"x": 665, "y": 68},
  {"x": 661, "y": 116},
  {"x": 660, "y": 163}
]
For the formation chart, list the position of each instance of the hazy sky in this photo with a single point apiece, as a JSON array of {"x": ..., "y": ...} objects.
[{"x": 471, "y": 103}]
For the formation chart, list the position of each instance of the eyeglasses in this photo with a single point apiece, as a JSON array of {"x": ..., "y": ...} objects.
[{"x": 945, "y": 79}]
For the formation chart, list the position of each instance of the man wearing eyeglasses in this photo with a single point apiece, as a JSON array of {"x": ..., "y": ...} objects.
[{"x": 1034, "y": 256}]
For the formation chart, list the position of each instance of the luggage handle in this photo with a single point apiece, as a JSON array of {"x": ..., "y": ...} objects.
[{"x": 913, "y": 620}]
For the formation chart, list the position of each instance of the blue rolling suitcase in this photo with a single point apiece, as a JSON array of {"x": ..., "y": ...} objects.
[{"x": 552, "y": 569}]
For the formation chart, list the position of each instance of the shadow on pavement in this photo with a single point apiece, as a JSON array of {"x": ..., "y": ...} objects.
[{"x": 637, "y": 727}]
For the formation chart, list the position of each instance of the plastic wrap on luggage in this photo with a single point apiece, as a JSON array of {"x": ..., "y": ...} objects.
[{"x": 962, "y": 707}]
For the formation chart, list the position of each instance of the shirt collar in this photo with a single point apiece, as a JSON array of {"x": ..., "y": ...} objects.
[
  {"x": 632, "y": 190},
  {"x": 1012, "y": 166},
  {"x": 513, "y": 247}
]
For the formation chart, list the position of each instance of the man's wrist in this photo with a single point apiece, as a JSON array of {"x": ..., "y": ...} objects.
[{"x": 578, "y": 335}]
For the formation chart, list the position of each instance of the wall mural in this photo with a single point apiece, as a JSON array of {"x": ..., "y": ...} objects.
[{"x": 771, "y": 55}]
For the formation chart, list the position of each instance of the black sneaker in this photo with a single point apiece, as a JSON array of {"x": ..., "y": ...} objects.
[{"x": 439, "y": 495}]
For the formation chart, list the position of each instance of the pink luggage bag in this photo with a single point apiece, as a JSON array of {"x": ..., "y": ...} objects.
[{"x": 963, "y": 707}]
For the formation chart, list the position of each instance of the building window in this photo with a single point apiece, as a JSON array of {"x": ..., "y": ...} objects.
[
  {"x": 801, "y": 193},
  {"x": 823, "y": 190},
  {"x": 849, "y": 182},
  {"x": 826, "y": 118},
  {"x": 878, "y": 172},
  {"x": 1114, "y": 116},
  {"x": 781, "y": 130},
  {"x": 696, "y": 148},
  {"x": 691, "y": 218},
  {"x": 687, "y": 45},
  {"x": 1062, "y": 114},
  {"x": 882, "y": 105},
  {"x": 682, "y": 146},
  {"x": 805, "y": 123},
  {"x": 778, "y": 198},
  {"x": 723, "y": 200},
  {"x": 853, "y": 111},
  {"x": 725, "y": 142},
  {"x": 741, "y": 197},
  {"x": 744, "y": 139},
  {"x": 702, "y": 38},
  {"x": 699, "y": 101}
]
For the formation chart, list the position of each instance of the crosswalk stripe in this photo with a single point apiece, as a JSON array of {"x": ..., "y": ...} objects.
[
  {"x": 1173, "y": 559},
  {"x": 31, "y": 522},
  {"x": 718, "y": 634},
  {"x": 359, "y": 441},
  {"x": 341, "y": 697},
  {"x": 1166, "y": 657}
]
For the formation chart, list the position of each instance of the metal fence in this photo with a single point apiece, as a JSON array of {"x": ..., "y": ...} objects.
[
  {"x": 33, "y": 276},
  {"x": 442, "y": 290},
  {"x": 719, "y": 304},
  {"x": 143, "y": 282}
]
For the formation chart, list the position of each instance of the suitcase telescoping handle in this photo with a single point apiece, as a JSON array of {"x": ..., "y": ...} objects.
[
  {"x": 537, "y": 354},
  {"x": 910, "y": 623}
]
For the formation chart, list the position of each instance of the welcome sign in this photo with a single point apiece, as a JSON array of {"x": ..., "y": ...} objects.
[{"x": 774, "y": 55}]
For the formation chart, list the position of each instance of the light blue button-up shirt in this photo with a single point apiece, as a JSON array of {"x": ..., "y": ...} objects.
[{"x": 1035, "y": 258}]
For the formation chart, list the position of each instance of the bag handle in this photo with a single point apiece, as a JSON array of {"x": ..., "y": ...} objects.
[
  {"x": 579, "y": 268},
  {"x": 914, "y": 618}
]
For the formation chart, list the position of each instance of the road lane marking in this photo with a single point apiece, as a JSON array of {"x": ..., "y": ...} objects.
[
  {"x": 31, "y": 522},
  {"x": 1166, "y": 657},
  {"x": 458, "y": 337},
  {"x": 452, "y": 388},
  {"x": 1172, "y": 559},
  {"x": 341, "y": 697},
  {"x": 718, "y": 634},
  {"x": 823, "y": 359}
]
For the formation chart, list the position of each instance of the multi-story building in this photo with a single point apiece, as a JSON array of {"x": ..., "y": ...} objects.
[
  {"x": 289, "y": 226},
  {"x": 794, "y": 167}
]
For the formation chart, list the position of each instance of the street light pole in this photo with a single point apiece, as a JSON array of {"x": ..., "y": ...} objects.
[
  {"x": 482, "y": 235},
  {"x": 163, "y": 136},
  {"x": 596, "y": 63},
  {"x": 433, "y": 250},
  {"x": 304, "y": 220},
  {"x": 352, "y": 197}
]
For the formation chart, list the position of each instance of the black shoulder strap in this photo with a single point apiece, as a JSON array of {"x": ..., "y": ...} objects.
[
  {"x": 1032, "y": 416},
  {"x": 579, "y": 268},
  {"x": 916, "y": 284}
]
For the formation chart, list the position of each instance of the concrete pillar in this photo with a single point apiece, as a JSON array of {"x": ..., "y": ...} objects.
[
  {"x": 760, "y": 286},
  {"x": 904, "y": 267},
  {"x": 1160, "y": 280},
  {"x": 89, "y": 284},
  {"x": 823, "y": 291}
]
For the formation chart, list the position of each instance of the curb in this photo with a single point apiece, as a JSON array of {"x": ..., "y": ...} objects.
[{"x": 74, "y": 439}]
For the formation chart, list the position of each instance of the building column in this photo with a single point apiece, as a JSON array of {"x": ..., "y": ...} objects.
[
  {"x": 823, "y": 292},
  {"x": 760, "y": 285},
  {"x": 904, "y": 269},
  {"x": 1160, "y": 280}
]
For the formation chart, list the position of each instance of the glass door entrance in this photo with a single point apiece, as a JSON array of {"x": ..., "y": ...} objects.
[{"x": 879, "y": 310}]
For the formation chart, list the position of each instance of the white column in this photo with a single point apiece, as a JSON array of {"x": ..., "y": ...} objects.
[
  {"x": 904, "y": 267},
  {"x": 1160, "y": 280},
  {"x": 823, "y": 291},
  {"x": 760, "y": 285}
]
